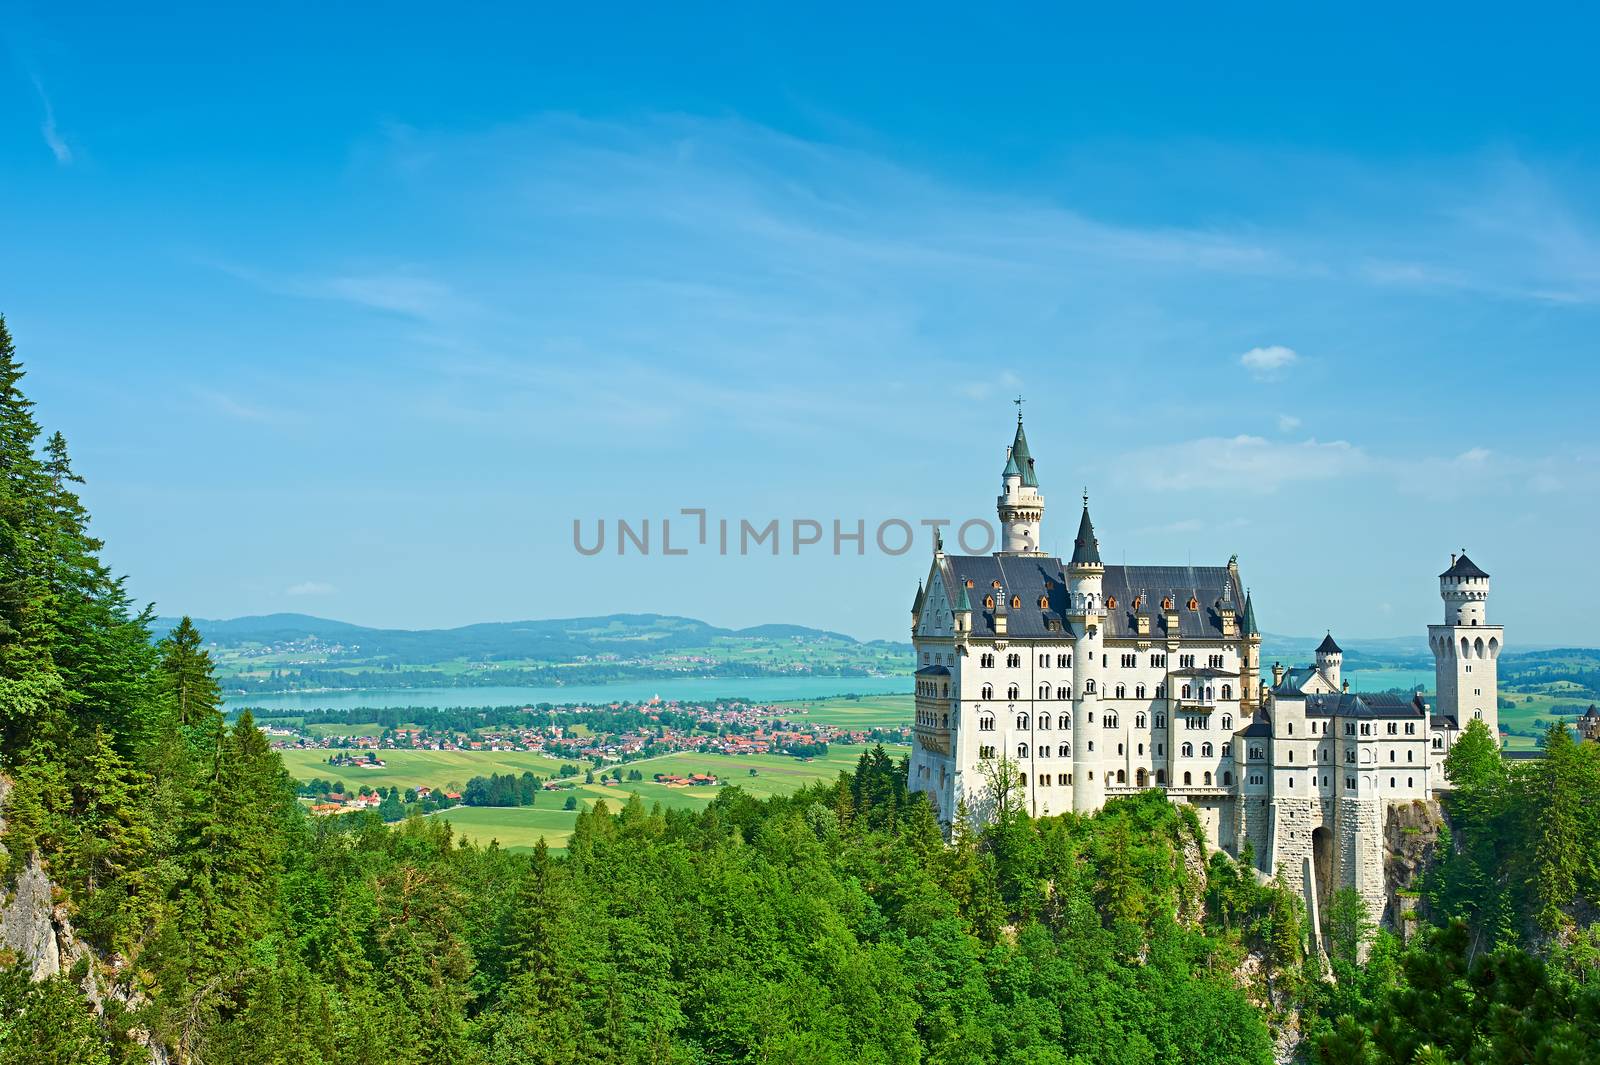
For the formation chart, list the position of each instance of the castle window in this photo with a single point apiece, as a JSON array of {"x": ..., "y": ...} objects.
[
  {"x": 1122, "y": 776},
  {"x": 987, "y": 692},
  {"x": 1205, "y": 752},
  {"x": 1411, "y": 756},
  {"x": 1227, "y": 778},
  {"x": 1022, "y": 722},
  {"x": 1438, "y": 743},
  {"x": 1161, "y": 693},
  {"x": 1187, "y": 750},
  {"x": 1016, "y": 602},
  {"x": 1013, "y": 661},
  {"x": 1161, "y": 721},
  {"x": 986, "y": 723},
  {"x": 1138, "y": 691},
  {"x": 1391, "y": 782},
  {"x": 969, "y": 582},
  {"x": 1064, "y": 750},
  {"x": 1227, "y": 722},
  {"x": 1122, "y": 690},
  {"x": 1161, "y": 776},
  {"x": 1063, "y": 692},
  {"x": 1141, "y": 748},
  {"x": 1187, "y": 691},
  {"x": 1166, "y": 602},
  {"x": 1194, "y": 604},
  {"x": 1044, "y": 780},
  {"x": 996, "y": 584},
  {"x": 986, "y": 753},
  {"x": 1044, "y": 721},
  {"x": 988, "y": 602},
  {"x": 1088, "y": 687},
  {"x": 1022, "y": 751},
  {"x": 1215, "y": 661},
  {"x": 1063, "y": 661},
  {"x": 1013, "y": 692},
  {"x": 1138, "y": 720},
  {"x": 1044, "y": 691},
  {"x": 1044, "y": 604},
  {"x": 1408, "y": 781},
  {"x": 1111, "y": 602},
  {"x": 1111, "y": 721},
  {"x": 986, "y": 661},
  {"x": 1208, "y": 779},
  {"x": 1188, "y": 778},
  {"x": 1063, "y": 779},
  {"x": 1227, "y": 691},
  {"x": 1066, "y": 720},
  {"x": 1393, "y": 757},
  {"x": 1091, "y": 751},
  {"x": 1043, "y": 752}
]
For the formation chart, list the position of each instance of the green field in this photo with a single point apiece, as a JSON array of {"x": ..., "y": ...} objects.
[
  {"x": 522, "y": 826},
  {"x": 1536, "y": 705},
  {"x": 865, "y": 712},
  {"x": 407, "y": 769}
]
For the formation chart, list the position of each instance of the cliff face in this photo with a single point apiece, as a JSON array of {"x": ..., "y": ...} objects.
[
  {"x": 1410, "y": 843},
  {"x": 36, "y": 932}
]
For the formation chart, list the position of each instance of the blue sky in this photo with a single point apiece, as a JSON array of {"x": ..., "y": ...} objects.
[{"x": 354, "y": 313}]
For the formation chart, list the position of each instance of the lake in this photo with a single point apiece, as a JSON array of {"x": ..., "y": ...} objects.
[{"x": 686, "y": 689}]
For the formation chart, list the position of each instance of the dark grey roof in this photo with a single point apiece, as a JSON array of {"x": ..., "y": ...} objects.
[
  {"x": 1085, "y": 548},
  {"x": 1027, "y": 577},
  {"x": 933, "y": 671},
  {"x": 1463, "y": 568},
  {"x": 916, "y": 604},
  {"x": 1294, "y": 679},
  {"x": 1367, "y": 704},
  {"x": 1591, "y": 712},
  {"x": 1328, "y": 647},
  {"x": 1441, "y": 721},
  {"x": 1257, "y": 728},
  {"x": 1202, "y": 671},
  {"x": 1024, "y": 460}
]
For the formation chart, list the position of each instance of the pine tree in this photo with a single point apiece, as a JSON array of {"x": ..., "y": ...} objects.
[{"x": 186, "y": 675}]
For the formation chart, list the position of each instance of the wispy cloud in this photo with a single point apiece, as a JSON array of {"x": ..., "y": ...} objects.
[
  {"x": 310, "y": 588},
  {"x": 1288, "y": 423},
  {"x": 48, "y": 128},
  {"x": 1269, "y": 361},
  {"x": 1245, "y": 463}
]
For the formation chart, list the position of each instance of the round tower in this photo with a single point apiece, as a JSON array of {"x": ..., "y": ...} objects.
[
  {"x": 1086, "y": 614},
  {"x": 1250, "y": 659},
  {"x": 1330, "y": 660},
  {"x": 1020, "y": 505},
  {"x": 1465, "y": 591}
]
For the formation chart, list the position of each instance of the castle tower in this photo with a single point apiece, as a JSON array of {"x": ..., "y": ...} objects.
[
  {"x": 1330, "y": 659},
  {"x": 1086, "y": 614},
  {"x": 1466, "y": 649},
  {"x": 1249, "y": 660},
  {"x": 1020, "y": 506}
]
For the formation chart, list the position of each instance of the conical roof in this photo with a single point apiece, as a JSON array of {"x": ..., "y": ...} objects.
[
  {"x": 1463, "y": 567},
  {"x": 1085, "y": 549},
  {"x": 1328, "y": 647},
  {"x": 1249, "y": 623},
  {"x": 962, "y": 602},
  {"x": 916, "y": 604},
  {"x": 1022, "y": 457}
]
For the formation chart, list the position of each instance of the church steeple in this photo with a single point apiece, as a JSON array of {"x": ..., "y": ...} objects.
[{"x": 1020, "y": 506}]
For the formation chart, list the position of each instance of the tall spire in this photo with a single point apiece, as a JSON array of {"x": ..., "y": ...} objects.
[
  {"x": 1022, "y": 457},
  {"x": 1086, "y": 549},
  {"x": 1249, "y": 624}
]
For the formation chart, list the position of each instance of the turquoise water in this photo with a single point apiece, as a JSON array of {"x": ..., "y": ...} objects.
[
  {"x": 1377, "y": 680},
  {"x": 685, "y": 689}
]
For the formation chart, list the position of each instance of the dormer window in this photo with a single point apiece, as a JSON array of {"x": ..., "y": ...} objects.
[
  {"x": 1016, "y": 602},
  {"x": 996, "y": 584},
  {"x": 969, "y": 582},
  {"x": 1044, "y": 602},
  {"x": 988, "y": 602},
  {"x": 1166, "y": 603},
  {"x": 1111, "y": 602},
  {"x": 1194, "y": 604}
]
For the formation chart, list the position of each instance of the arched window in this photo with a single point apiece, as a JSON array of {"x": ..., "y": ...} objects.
[
  {"x": 1014, "y": 661},
  {"x": 1161, "y": 691},
  {"x": 1088, "y": 687},
  {"x": 1141, "y": 778},
  {"x": 1186, "y": 691},
  {"x": 1188, "y": 750},
  {"x": 1044, "y": 691},
  {"x": 1208, "y": 780},
  {"x": 1122, "y": 776},
  {"x": 1209, "y": 695},
  {"x": 1161, "y": 721},
  {"x": 1188, "y": 778},
  {"x": 1138, "y": 691},
  {"x": 1138, "y": 721},
  {"x": 1063, "y": 692},
  {"x": 1044, "y": 721},
  {"x": 1205, "y": 750},
  {"x": 1044, "y": 751},
  {"x": 986, "y": 723},
  {"x": 1227, "y": 722},
  {"x": 1161, "y": 776},
  {"x": 986, "y": 661},
  {"x": 1066, "y": 720},
  {"x": 1013, "y": 692},
  {"x": 1227, "y": 691},
  {"x": 1408, "y": 781},
  {"x": 1111, "y": 721},
  {"x": 1064, "y": 750},
  {"x": 1022, "y": 750},
  {"x": 1122, "y": 691},
  {"x": 987, "y": 691},
  {"x": 1227, "y": 778},
  {"x": 1022, "y": 722}
]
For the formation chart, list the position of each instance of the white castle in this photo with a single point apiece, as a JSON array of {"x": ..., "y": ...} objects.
[{"x": 1090, "y": 681}]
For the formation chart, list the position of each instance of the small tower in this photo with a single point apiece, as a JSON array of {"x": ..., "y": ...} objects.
[
  {"x": 1466, "y": 648},
  {"x": 916, "y": 608},
  {"x": 1329, "y": 659},
  {"x": 1020, "y": 506},
  {"x": 962, "y": 616},
  {"x": 1249, "y": 659},
  {"x": 1086, "y": 614}
]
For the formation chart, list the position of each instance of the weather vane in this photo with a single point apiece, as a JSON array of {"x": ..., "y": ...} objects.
[{"x": 1018, "y": 402}]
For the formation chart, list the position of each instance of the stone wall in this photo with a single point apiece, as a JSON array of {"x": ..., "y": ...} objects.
[{"x": 1410, "y": 842}]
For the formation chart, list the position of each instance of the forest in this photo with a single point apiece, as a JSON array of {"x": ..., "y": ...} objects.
[{"x": 217, "y": 924}]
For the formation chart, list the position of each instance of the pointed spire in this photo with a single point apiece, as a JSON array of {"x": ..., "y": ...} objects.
[
  {"x": 1011, "y": 469},
  {"x": 1022, "y": 457},
  {"x": 1249, "y": 624},
  {"x": 1328, "y": 647},
  {"x": 916, "y": 604},
  {"x": 962, "y": 601},
  {"x": 1086, "y": 549}
]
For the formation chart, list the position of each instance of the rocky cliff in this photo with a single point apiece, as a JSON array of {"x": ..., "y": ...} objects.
[{"x": 1410, "y": 843}]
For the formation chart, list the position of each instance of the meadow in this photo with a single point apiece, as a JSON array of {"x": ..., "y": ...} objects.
[{"x": 408, "y": 769}]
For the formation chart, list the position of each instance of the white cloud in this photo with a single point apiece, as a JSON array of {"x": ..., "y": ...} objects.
[
  {"x": 1288, "y": 423},
  {"x": 52, "y": 135},
  {"x": 1245, "y": 463},
  {"x": 1269, "y": 361},
  {"x": 310, "y": 588}
]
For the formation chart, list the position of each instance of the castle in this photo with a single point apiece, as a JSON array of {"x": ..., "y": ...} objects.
[{"x": 1090, "y": 680}]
